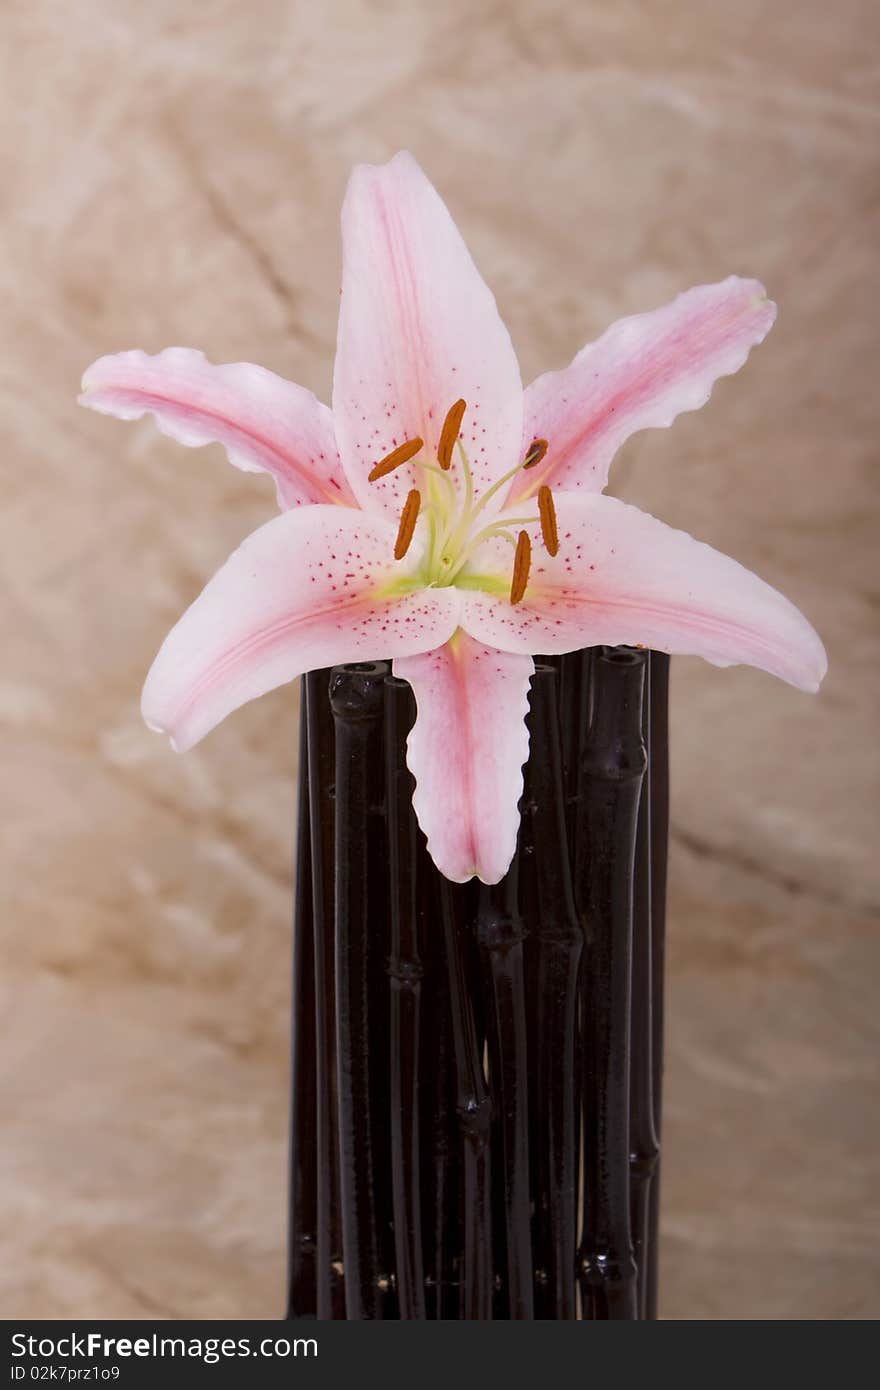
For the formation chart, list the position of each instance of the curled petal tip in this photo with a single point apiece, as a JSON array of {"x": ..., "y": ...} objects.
[
  {"x": 400, "y": 159},
  {"x": 455, "y": 874},
  {"x": 156, "y": 727},
  {"x": 90, "y": 382},
  {"x": 85, "y": 384},
  {"x": 761, "y": 310},
  {"x": 806, "y": 663},
  {"x": 816, "y": 666},
  {"x": 767, "y": 307},
  {"x": 490, "y": 879}
]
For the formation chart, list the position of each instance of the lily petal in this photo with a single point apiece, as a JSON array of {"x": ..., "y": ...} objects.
[
  {"x": 466, "y": 751},
  {"x": 643, "y": 372},
  {"x": 265, "y": 423},
  {"x": 311, "y": 588},
  {"x": 418, "y": 330},
  {"x": 622, "y": 577}
]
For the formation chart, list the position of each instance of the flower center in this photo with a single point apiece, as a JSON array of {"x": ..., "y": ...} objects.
[{"x": 454, "y": 515}]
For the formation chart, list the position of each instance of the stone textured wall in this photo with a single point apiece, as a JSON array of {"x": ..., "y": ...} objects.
[{"x": 172, "y": 174}]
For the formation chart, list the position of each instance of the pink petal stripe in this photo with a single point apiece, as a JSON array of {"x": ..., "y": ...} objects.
[
  {"x": 266, "y": 424},
  {"x": 418, "y": 329},
  {"x": 621, "y": 576},
  {"x": 644, "y": 371},
  {"x": 303, "y": 591},
  {"x": 466, "y": 751}
]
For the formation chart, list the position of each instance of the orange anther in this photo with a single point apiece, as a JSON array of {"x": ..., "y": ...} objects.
[
  {"x": 536, "y": 451},
  {"x": 402, "y": 454},
  {"x": 522, "y": 563},
  {"x": 549, "y": 529},
  {"x": 408, "y": 518},
  {"x": 449, "y": 434}
]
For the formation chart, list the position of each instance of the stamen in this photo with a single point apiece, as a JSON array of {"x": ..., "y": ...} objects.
[
  {"x": 402, "y": 454},
  {"x": 498, "y": 528},
  {"x": 408, "y": 518},
  {"x": 549, "y": 529},
  {"x": 522, "y": 563},
  {"x": 536, "y": 451},
  {"x": 449, "y": 434}
]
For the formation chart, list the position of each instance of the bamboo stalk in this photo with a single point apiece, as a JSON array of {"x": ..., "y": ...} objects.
[
  {"x": 499, "y": 931},
  {"x": 302, "y": 1243},
  {"x": 533, "y": 950},
  {"x": 474, "y": 1111},
  {"x": 413, "y": 1162},
  {"x": 356, "y": 701},
  {"x": 612, "y": 768},
  {"x": 379, "y": 887},
  {"x": 321, "y": 774},
  {"x": 440, "y": 1156},
  {"x": 572, "y": 700},
  {"x": 643, "y": 1145},
  {"x": 578, "y": 668},
  {"x": 574, "y": 715},
  {"x": 659, "y": 795},
  {"x": 405, "y": 970},
  {"x": 558, "y": 939}
]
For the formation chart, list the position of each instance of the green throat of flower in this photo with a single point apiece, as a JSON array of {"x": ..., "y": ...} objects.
[{"x": 457, "y": 520}]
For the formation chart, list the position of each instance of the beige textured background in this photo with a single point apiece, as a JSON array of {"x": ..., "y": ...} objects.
[{"x": 172, "y": 174}]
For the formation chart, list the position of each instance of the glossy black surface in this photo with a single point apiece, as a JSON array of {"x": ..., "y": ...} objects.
[
  {"x": 612, "y": 767},
  {"x": 302, "y": 1243},
  {"x": 476, "y": 1070},
  {"x": 356, "y": 695},
  {"x": 658, "y": 768},
  {"x": 405, "y": 971},
  {"x": 553, "y": 953},
  {"x": 643, "y": 1143},
  {"x": 319, "y": 756}
]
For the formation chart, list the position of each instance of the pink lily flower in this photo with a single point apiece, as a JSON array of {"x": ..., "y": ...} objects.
[{"x": 445, "y": 517}]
